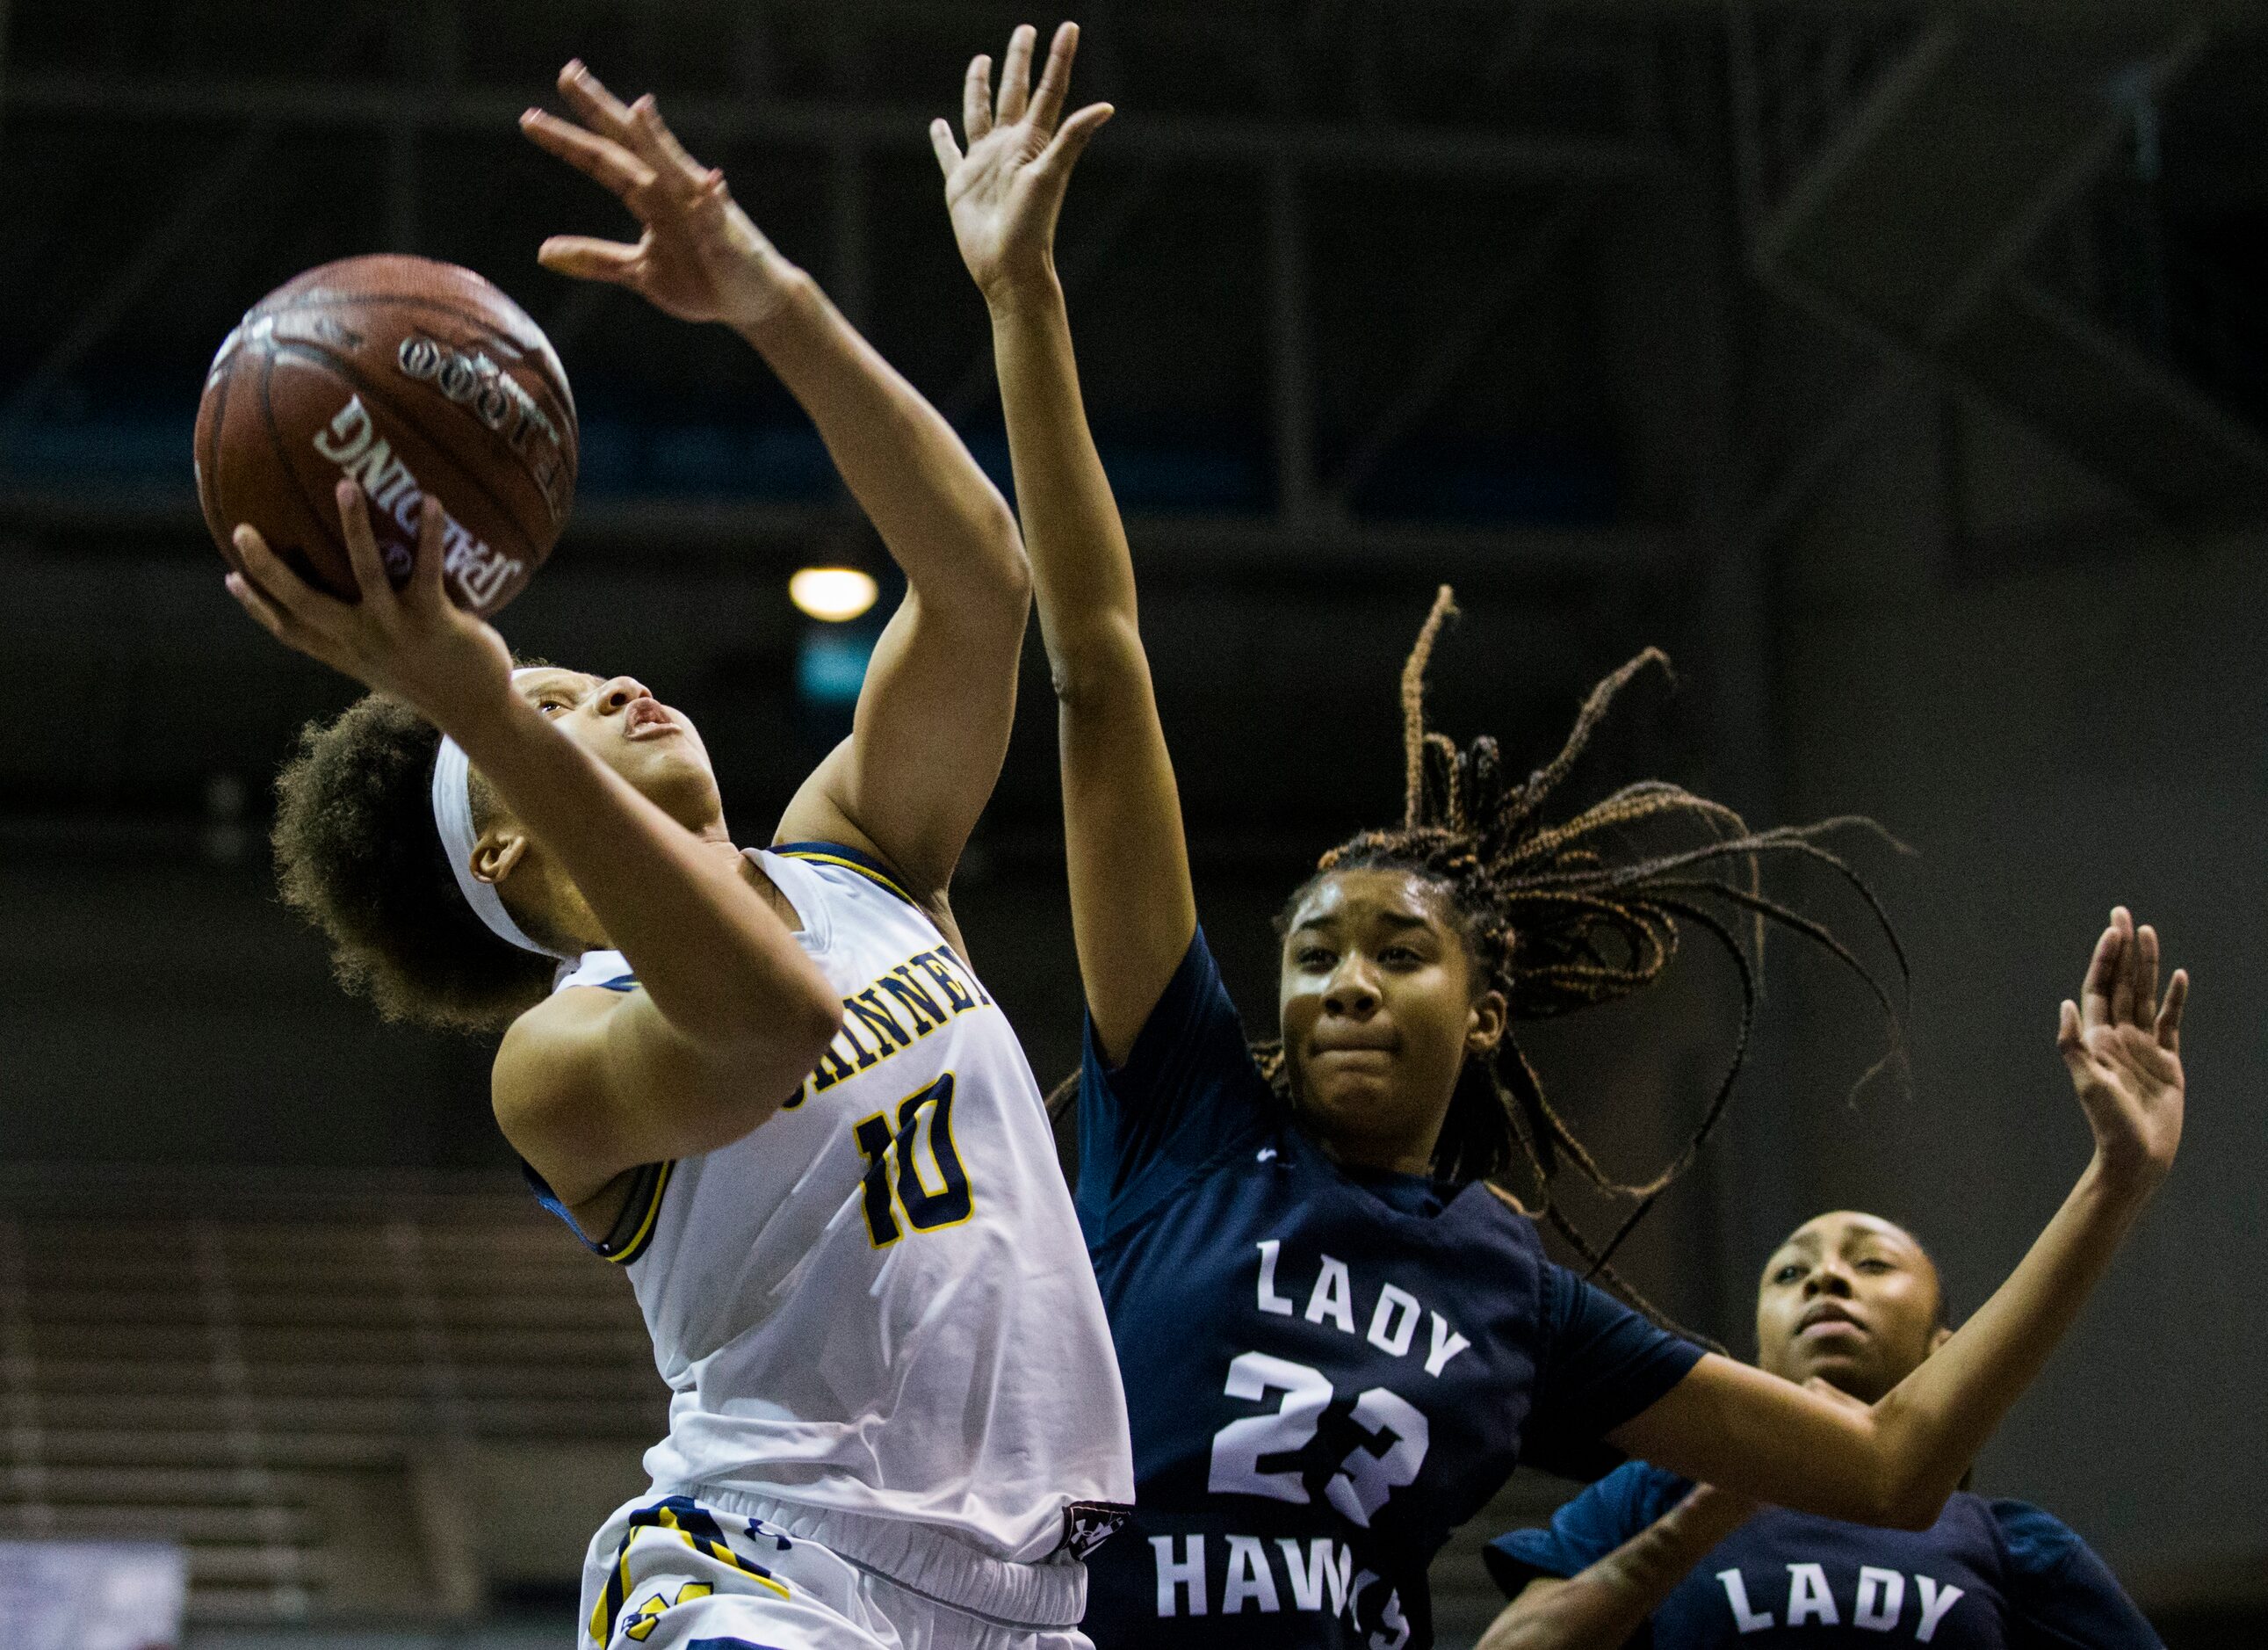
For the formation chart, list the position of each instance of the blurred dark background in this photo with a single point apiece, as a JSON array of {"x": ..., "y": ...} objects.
[{"x": 1898, "y": 368}]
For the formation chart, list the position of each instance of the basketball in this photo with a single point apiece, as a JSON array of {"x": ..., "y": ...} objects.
[{"x": 411, "y": 378}]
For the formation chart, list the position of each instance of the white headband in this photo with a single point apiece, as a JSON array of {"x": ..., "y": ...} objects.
[{"x": 452, "y": 818}]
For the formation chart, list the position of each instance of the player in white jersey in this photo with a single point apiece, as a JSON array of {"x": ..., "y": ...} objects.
[{"x": 767, "y": 1083}]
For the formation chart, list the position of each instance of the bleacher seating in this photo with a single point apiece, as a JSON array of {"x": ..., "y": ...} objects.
[{"x": 311, "y": 1384}]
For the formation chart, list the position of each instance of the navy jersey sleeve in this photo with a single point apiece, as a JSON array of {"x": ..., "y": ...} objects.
[
  {"x": 1601, "y": 1364},
  {"x": 1618, "y": 1507},
  {"x": 1187, "y": 1091},
  {"x": 2060, "y": 1595}
]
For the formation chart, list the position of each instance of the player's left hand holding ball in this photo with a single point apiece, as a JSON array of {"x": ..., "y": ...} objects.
[
  {"x": 413, "y": 643},
  {"x": 698, "y": 256}
]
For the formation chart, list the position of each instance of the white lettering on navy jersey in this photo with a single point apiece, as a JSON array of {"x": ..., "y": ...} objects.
[
  {"x": 1320, "y": 1581},
  {"x": 1334, "y": 1301},
  {"x": 1935, "y": 1601},
  {"x": 1394, "y": 1321},
  {"x": 1736, "y": 1592},
  {"x": 1808, "y": 1597},
  {"x": 1878, "y": 1600},
  {"x": 1326, "y": 1564},
  {"x": 1249, "y": 1580},
  {"x": 1270, "y": 1300},
  {"x": 1881, "y": 1595},
  {"x": 1334, "y": 1296},
  {"x": 1396, "y": 1625},
  {"x": 1181, "y": 1577},
  {"x": 1389, "y": 1452}
]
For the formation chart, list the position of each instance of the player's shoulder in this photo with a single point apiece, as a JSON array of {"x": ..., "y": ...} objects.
[
  {"x": 1640, "y": 1492},
  {"x": 2035, "y": 1540},
  {"x": 1600, "y": 1518},
  {"x": 2057, "y": 1582},
  {"x": 538, "y": 1083},
  {"x": 578, "y": 1009},
  {"x": 1192, "y": 1045},
  {"x": 848, "y": 865},
  {"x": 848, "y": 891}
]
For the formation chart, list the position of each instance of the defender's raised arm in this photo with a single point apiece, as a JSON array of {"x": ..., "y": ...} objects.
[
  {"x": 1894, "y": 1462},
  {"x": 1132, "y": 910}
]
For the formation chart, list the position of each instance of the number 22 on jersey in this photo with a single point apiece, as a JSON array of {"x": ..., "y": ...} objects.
[{"x": 893, "y": 1179}]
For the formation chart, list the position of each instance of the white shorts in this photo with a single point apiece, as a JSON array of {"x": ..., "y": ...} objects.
[{"x": 674, "y": 1573}]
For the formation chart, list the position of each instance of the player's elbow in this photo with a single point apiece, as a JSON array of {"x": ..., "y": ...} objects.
[
  {"x": 751, "y": 1076},
  {"x": 1097, "y": 665},
  {"x": 783, "y": 1027},
  {"x": 1000, "y": 576},
  {"x": 1012, "y": 564},
  {"x": 809, "y": 1022},
  {"x": 1902, "y": 1496},
  {"x": 1515, "y": 1630},
  {"x": 1915, "y": 1508}
]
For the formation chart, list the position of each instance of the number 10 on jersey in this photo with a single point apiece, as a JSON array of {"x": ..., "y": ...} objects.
[{"x": 894, "y": 1180}]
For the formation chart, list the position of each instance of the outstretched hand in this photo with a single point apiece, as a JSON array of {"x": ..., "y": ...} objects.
[
  {"x": 698, "y": 256},
  {"x": 2123, "y": 1050},
  {"x": 1006, "y": 192},
  {"x": 413, "y": 643}
]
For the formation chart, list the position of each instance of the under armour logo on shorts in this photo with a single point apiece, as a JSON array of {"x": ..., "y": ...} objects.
[{"x": 1088, "y": 1524}]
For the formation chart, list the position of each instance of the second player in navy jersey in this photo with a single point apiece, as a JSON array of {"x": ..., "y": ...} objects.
[
  {"x": 1283, "y": 1423},
  {"x": 1987, "y": 1575},
  {"x": 1646, "y": 1558},
  {"x": 1328, "y": 1369}
]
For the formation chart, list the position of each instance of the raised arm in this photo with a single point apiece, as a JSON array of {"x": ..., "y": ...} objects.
[
  {"x": 1602, "y": 1606},
  {"x": 730, "y": 1015},
  {"x": 934, "y": 720},
  {"x": 1896, "y": 1461},
  {"x": 1132, "y": 910}
]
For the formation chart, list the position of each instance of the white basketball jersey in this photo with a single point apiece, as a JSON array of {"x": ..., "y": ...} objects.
[{"x": 879, "y": 1302}]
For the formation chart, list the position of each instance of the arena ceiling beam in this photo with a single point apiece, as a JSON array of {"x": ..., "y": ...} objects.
[
  {"x": 693, "y": 534},
  {"x": 831, "y": 125},
  {"x": 1453, "y": 351}
]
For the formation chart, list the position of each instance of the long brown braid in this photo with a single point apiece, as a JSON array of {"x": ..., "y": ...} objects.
[{"x": 1557, "y": 922}]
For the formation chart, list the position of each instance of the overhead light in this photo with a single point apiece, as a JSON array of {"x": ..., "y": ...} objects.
[{"x": 832, "y": 593}]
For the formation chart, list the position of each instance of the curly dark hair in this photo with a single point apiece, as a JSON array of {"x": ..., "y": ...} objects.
[
  {"x": 1562, "y": 917},
  {"x": 357, "y": 854}
]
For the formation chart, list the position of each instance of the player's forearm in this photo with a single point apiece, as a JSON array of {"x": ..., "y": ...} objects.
[
  {"x": 943, "y": 519},
  {"x": 1894, "y": 1462},
  {"x": 1082, "y": 570},
  {"x": 715, "y": 959},
  {"x": 1599, "y": 1607},
  {"x": 1132, "y": 907},
  {"x": 1932, "y": 1422}
]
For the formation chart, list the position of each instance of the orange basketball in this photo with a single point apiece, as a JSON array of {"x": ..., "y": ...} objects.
[{"x": 411, "y": 378}]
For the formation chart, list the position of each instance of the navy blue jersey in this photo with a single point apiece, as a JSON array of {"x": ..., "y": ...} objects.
[
  {"x": 1326, "y": 1373},
  {"x": 1988, "y": 1575}
]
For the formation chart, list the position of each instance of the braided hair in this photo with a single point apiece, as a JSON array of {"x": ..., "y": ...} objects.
[{"x": 1560, "y": 917}]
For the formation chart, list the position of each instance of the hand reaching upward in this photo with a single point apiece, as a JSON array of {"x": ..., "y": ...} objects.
[
  {"x": 2123, "y": 1050},
  {"x": 699, "y": 256},
  {"x": 1006, "y": 192}
]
